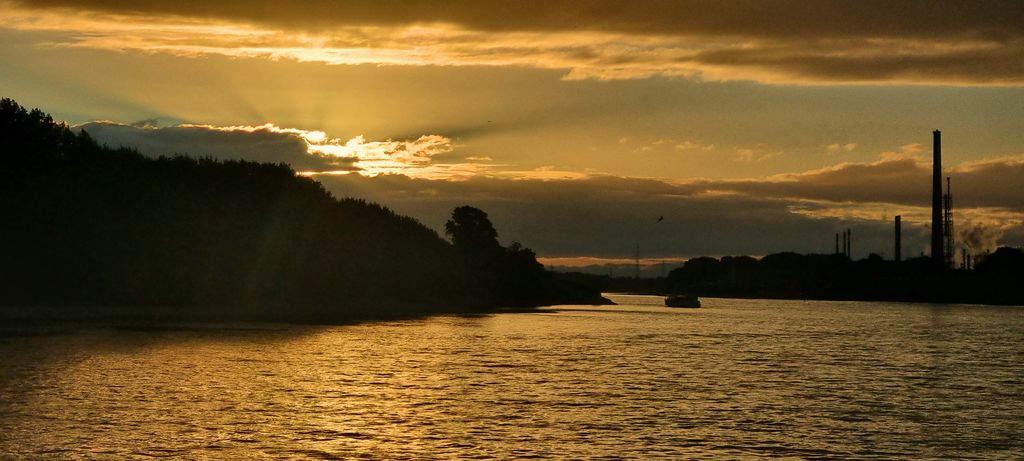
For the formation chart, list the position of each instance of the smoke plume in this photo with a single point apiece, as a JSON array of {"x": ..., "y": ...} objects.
[{"x": 979, "y": 237}]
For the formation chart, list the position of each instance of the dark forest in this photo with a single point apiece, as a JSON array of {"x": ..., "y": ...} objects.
[{"x": 86, "y": 224}]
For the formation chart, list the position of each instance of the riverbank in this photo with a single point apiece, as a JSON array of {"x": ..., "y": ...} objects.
[{"x": 20, "y": 319}]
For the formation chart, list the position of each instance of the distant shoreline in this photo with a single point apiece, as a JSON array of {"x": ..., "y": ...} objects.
[
  {"x": 993, "y": 280},
  {"x": 794, "y": 298}
]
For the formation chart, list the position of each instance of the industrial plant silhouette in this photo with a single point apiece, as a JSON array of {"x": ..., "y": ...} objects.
[
  {"x": 943, "y": 244},
  {"x": 992, "y": 278}
]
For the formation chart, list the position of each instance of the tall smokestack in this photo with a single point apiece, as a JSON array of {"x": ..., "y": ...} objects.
[
  {"x": 837, "y": 242},
  {"x": 849, "y": 243},
  {"x": 899, "y": 245},
  {"x": 938, "y": 252}
]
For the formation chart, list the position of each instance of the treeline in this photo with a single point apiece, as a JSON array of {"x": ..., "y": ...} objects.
[
  {"x": 995, "y": 279},
  {"x": 87, "y": 224}
]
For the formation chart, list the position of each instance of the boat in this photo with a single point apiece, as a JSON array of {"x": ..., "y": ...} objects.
[{"x": 681, "y": 300}]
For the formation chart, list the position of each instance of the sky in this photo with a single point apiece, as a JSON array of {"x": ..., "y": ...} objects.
[{"x": 584, "y": 128}]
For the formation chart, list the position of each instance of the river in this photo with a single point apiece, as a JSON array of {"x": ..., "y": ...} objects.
[{"x": 735, "y": 379}]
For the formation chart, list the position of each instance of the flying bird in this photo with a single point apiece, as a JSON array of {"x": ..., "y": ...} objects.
[{"x": 660, "y": 219}]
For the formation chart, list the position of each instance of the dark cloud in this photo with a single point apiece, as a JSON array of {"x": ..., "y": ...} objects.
[
  {"x": 261, "y": 145},
  {"x": 864, "y": 61},
  {"x": 951, "y": 42},
  {"x": 147, "y": 123},
  {"x": 996, "y": 183},
  {"x": 606, "y": 217},
  {"x": 761, "y": 18},
  {"x": 904, "y": 181}
]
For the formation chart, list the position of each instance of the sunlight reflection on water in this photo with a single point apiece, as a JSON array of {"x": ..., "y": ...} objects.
[{"x": 738, "y": 378}]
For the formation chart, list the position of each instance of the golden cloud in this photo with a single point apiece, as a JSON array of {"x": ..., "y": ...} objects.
[
  {"x": 964, "y": 58},
  {"x": 309, "y": 151}
]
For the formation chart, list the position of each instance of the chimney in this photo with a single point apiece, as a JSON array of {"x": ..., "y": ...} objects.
[
  {"x": 938, "y": 253},
  {"x": 849, "y": 243},
  {"x": 899, "y": 245}
]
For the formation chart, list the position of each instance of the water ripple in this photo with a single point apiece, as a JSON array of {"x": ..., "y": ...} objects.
[{"x": 736, "y": 379}]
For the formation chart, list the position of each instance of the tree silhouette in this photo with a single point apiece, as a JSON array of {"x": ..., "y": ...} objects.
[{"x": 471, "y": 230}]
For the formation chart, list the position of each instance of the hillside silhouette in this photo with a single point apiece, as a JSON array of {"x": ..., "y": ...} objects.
[{"x": 85, "y": 224}]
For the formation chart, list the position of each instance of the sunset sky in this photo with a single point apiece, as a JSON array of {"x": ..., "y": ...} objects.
[{"x": 752, "y": 127}]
